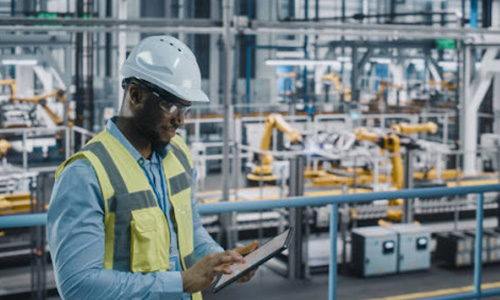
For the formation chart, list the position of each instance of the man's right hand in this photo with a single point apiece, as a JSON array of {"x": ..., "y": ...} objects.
[{"x": 204, "y": 272}]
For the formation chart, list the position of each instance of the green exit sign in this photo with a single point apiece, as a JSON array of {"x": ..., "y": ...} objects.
[{"x": 443, "y": 44}]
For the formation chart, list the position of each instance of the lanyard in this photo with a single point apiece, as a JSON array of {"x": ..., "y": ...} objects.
[{"x": 162, "y": 200}]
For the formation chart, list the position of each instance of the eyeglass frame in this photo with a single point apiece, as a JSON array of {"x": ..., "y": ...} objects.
[{"x": 161, "y": 96}]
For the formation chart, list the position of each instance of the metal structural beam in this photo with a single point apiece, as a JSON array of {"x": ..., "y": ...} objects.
[
  {"x": 495, "y": 23},
  {"x": 475, "y": 91},
  {"x": 11, "y": 40},
  {"x": 403, "y": 43},
  {"x": 227, "y": 220},
  {"x": 433, "y": 68},
  {"x": 142, "y": 22},
  {"x": 254, "y": 27}
]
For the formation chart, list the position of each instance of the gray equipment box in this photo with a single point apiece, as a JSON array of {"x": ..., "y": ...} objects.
[
  {"x": 455, "y": 249},
  {"x": 413, "y": 247},
  {"x": 493, "y": 238},
  {"x": 484, "y": 254},
  {"x": 374, "y": 251},
  {"x": 472, "y": 234},
  {"x": 493, "y": 245}
]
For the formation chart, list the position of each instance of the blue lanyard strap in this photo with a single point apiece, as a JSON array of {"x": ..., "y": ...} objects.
[{"x": 162, "y": 200}]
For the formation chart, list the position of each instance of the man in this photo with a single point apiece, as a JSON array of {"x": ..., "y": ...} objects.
[{"x": 122, "y": 222}]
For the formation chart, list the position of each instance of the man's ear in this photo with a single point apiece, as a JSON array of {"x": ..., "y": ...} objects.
[{"x": 136, "y": 95}]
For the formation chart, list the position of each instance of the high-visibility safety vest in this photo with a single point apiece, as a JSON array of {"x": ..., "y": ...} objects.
[{"x": 137, "y": 235}]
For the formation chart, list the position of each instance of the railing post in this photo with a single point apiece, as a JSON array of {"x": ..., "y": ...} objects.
[
  {"x": 408, "y": 184},
  {"x": 478, "y": 249},
  {"x": 298, "y": 267},
  {"x": 25, "y": 151},
  {"x": 332, "y": 270}
]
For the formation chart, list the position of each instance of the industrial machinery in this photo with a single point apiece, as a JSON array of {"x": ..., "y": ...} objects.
[
  {"x": 13, "y": 116},
  {"x": 337, "y": 83},
  {"x": 262, "y": 171},
  {"x": 374, "y": 251},
  {"x": 454, "y": 249},
  {"x": 41, "y": 100},
  {"x": 414, "y": 249},
  {"x": 378, "y": 103},
  {"x": 11, "y": 83},
  {"x": 443, "y": 84},
  {"x": 4, "y": 147},
  {"x": 393, "y": 141},
  {"x": 398, "y": 248}
]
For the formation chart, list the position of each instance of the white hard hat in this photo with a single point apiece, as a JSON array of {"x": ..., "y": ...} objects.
[{"x": 167, "y": 63}]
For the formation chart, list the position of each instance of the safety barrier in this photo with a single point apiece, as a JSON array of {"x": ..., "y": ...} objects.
[{"x": 334, "y": 201}]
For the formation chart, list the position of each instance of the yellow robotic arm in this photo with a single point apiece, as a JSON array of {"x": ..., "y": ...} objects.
[
  {"x": 391, "y": 143},
  {"x": 363, "y": 134},
  {"x": 383, "y": 86},
  {"x": 264, "y": 171},
  {"x": 42, "y": 100},
  {"x": 11, "y": 83},
  {"x": 337, "y": 82},
  {"x": 4, "y": 147},
  {"x": 405, "y": 128}
]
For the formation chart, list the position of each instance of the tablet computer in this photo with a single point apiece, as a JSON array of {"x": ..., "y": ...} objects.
[{"x": 254, "y": 259}]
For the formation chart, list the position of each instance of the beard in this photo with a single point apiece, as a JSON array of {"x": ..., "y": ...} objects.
[
  {"x": 153, "y": 135},
  {"x": 150, "y": 128}
]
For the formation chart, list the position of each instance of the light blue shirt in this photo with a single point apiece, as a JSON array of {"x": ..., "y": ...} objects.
[{"x": 75, "y": 232}]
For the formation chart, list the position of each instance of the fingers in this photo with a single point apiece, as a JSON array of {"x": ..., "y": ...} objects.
[
  {"x": 222, "y": 269},
  {"x": 247, "y": 277},
  {"x": 227, "y": 257},
  {"x": 252, "y": 246},
  {"x": 244, "y": 250}
]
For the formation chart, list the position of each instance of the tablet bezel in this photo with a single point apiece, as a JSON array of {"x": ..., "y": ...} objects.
[{"x": 285, "y": 245}]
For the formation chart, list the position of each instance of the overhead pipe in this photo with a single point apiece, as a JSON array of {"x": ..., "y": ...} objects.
[{"x": 201, "y": 26}]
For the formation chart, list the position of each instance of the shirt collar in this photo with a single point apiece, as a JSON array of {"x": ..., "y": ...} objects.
[{"x": 113, "y": 129}]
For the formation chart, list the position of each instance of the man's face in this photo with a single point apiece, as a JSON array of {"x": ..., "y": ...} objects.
[{"x": 157, "y": 117}]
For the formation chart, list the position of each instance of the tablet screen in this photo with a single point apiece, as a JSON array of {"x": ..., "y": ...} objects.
[{"x": 254, "y": 259}]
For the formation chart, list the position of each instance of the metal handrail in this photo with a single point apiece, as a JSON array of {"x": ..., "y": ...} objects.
[{"x": 214, "y": 208}]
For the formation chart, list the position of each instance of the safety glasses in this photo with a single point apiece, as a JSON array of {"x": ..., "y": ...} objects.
[
  {"x": 166, "y": 101},
  {"x": 171, "y": 106}
]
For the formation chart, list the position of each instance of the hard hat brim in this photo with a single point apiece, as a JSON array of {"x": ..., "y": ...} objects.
[{"x": 191, "y": 95}]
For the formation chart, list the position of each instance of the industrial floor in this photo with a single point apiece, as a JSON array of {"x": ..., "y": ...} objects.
[{"x": 267, "y": 284}]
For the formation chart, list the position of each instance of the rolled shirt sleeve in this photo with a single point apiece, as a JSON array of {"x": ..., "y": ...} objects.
[{"x": 75, "y": 232}]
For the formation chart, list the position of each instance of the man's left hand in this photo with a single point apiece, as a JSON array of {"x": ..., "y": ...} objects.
[{"x": 244, "y": 250}]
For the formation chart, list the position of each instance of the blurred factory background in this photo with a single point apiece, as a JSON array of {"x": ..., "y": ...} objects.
[{"x": 309, "y": 98}]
